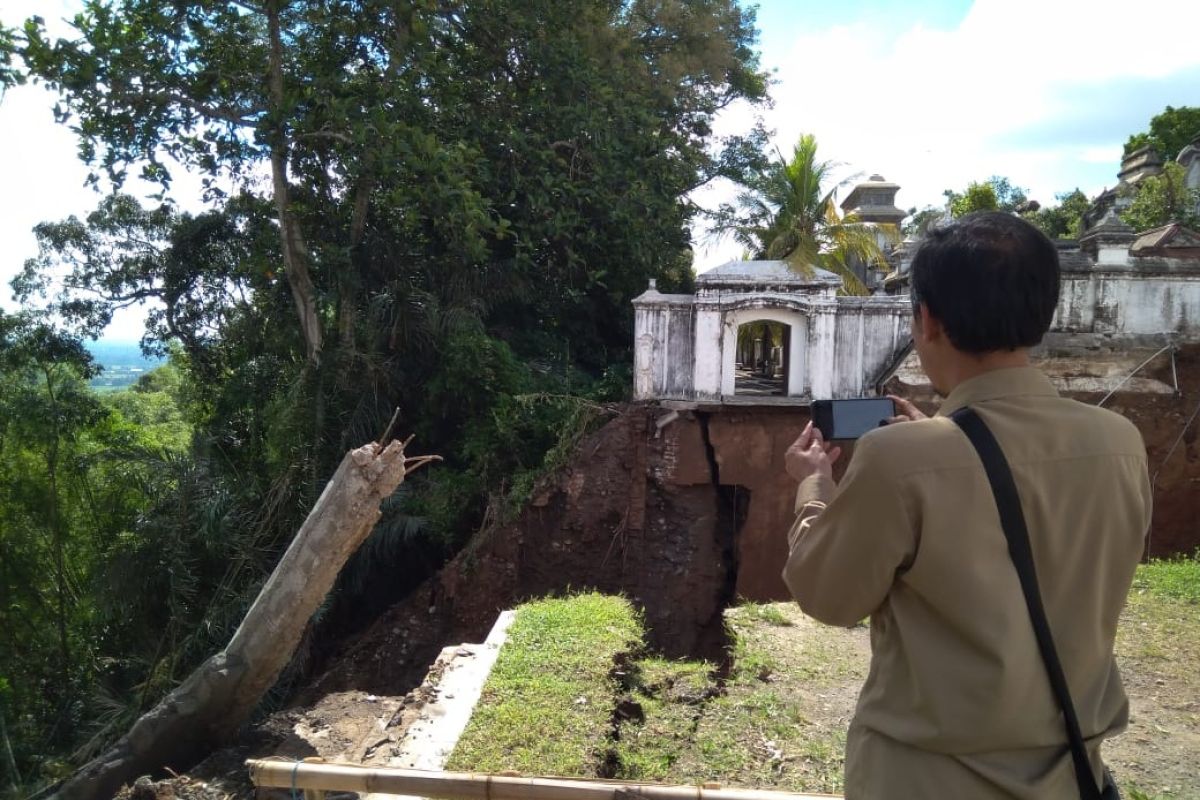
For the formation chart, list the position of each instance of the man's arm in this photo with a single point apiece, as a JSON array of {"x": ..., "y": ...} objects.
[{"x": 849, "y": 540}]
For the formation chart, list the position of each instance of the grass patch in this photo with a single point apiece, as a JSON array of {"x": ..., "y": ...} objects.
[
  {"x": 547, "y": 707},
  {"x": 671, "y": 696},
  {"x": 769, "y": 613},
  {"x": 778, "y": 719},
  {"x": 1177, "y": 578}
]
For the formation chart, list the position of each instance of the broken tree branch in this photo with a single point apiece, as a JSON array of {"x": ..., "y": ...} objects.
[{"x": 219, "y": 695}]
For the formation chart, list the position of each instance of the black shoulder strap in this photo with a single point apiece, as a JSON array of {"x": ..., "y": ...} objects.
[{"x": 1013, "y": 521}]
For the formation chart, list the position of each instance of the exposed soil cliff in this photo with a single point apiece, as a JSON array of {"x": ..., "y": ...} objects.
[{"x": 685, "y": 510}]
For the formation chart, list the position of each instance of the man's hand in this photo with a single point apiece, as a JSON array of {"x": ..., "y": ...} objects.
[
  {"x": 908, "y": 411},
  {"x": 810, "y": 455}
]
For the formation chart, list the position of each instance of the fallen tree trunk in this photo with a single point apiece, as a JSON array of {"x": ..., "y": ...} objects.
[{"x": 218, "y": 697}]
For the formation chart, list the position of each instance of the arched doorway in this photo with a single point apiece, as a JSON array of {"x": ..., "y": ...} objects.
[{"x": 763, "y": 355}]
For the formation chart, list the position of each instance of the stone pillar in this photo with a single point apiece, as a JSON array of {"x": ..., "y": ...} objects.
[
  {"x": 797, "y": 368},
  {"x": 643, "y": 353},
  {"x": 822, "y": 340},
  {"x": 1109, "y": 241},
  {"x": 707, "y": 370},
  {"x": 729, "y": 333}
]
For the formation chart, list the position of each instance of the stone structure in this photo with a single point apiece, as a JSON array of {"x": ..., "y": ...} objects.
[
  {"x": 686, "y": 345},
  {"x": 1189, "y": 159},
  {"x": 1120, "y": 284},
  {"x": 873, "y": 203}
]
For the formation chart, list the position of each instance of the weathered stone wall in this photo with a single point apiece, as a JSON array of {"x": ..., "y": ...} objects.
[
  {"x": 663, "y": 348},
  {"x": 1139, "y": 298},
  {"x": 685, "y": 346}
]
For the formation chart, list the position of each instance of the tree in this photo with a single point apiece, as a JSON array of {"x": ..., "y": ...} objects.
[
  {"x": 1164, "y": 198},
  {"x": 356, "y": 104},
  {"x": 995, "y": 194},
  {"x": 786, "y": 213},
  {"x": 215, "y": 699},
  {"x": 1064, "y": 220},
  {"x": 918, "y": 222},
  {"x": 9, "y": 75},
  {"x": 474, "y": 201},
  {"x": 1170, "y": 132},
  {"x": 976, "y": 197},
  {"x": 53, "y": 511}
]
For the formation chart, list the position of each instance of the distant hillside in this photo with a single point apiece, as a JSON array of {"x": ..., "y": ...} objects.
[{"x": 123, "y": 364}]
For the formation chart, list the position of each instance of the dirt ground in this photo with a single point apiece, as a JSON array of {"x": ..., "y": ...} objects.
[{"x": 1158, "y": 652}]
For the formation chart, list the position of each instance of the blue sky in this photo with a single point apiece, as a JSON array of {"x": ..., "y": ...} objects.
[
  {"x": 929, "y": 94},
  {"x": 933, "y": 95}
]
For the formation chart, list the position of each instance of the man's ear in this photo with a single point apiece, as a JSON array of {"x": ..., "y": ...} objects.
[{"x": 927, "y": 326}]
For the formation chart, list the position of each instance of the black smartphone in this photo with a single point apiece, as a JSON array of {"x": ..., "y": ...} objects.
[{"x": 850, "y": 419}]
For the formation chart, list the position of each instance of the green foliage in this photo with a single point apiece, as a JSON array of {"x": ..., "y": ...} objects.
[
  {"x": 918, "y": 222},
  {"x": 1064, "y": 220},
  {"x": 787, "y": 213},
  {"x": 1170, "y": 131},
  {"x": 153, "y": 409},
  {"x": 995, "y": 194},
  {"x": 9, "y": 75},
  {"x": 977, "y": 197},
  {"x": 474, "y": 203},
  {"x": 1177, "y": 577},
  {"x": 65, "y": 495},
  {"x": 1163, "y": 198}
]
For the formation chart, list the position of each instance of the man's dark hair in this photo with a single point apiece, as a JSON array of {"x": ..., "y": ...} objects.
[{"x": 990, "y": 278}]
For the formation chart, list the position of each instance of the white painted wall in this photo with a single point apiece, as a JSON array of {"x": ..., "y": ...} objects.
[
  {"x": 706, "y": 372},
  {"x": 686, "y": 348}
]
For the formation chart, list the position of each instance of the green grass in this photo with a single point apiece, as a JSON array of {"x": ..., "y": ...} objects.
[
  {"x": 547, "y": 707},
  {"x": 1177, "y": 578},
  {"x": 764, "y": 612},
  {"x": 778, "y": 719},
  {"x": 1157, "y": 645}
]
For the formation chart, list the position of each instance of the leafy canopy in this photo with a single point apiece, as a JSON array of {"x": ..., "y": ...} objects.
[
  {"x": 1170, "y": 131},
  {"x": 463, "y": 198},
  {"x": 995, "y": 194},
  {"x": 1164, "y": 198},
  {"x": 1064, "y": 220}
]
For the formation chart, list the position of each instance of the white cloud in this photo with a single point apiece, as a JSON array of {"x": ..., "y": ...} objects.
[
  {"x": 43, "y": 178},
  {"x": 935, "y": 109}
]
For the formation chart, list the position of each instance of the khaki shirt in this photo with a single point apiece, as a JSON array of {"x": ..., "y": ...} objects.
[{"x": 957, "y": 702}]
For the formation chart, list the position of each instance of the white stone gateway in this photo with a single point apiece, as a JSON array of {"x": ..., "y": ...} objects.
[
  {"x": 687, "y": 348},
  {"x": 1121, "y": 292}
]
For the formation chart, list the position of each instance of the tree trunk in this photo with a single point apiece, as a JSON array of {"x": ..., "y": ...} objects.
[
  {"x": 14, "y": 777},
  {"x": 295, "y": 249},
  {"x": 218, "y": 696}
]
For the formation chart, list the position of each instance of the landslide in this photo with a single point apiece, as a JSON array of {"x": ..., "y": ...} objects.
[{"x": 681, "y": 511}]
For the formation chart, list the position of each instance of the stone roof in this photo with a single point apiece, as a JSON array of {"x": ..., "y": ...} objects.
[
  {"x": 1190, "y": 153},
  {"x": 1171, "y": 239},
  {"x": 1139, "y": 164},
  {"x": 745, "y": 274},
  {"x": 864, "y": 200},
  {"x": 1109, "y": 230}
]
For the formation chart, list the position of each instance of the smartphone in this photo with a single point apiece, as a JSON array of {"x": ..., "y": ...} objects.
[{"x": 850, "y": 419}]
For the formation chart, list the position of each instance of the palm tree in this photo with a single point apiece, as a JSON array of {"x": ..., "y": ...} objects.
[{"x": 786, "y": 214}]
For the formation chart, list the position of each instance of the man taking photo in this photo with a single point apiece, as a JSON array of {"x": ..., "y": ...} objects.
[{"x": 958, "y": 703}]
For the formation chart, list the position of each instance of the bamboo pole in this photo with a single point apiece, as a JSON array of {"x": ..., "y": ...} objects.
[{"x": 470, "y": 786}]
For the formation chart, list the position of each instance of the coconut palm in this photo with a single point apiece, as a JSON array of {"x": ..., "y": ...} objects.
[{"x": 787, "y": 214}]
